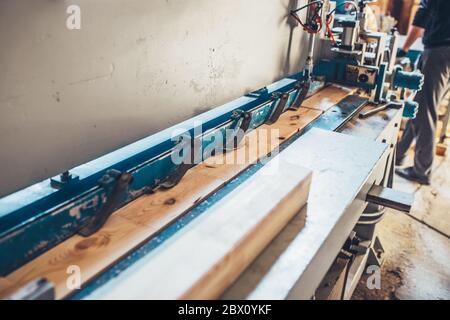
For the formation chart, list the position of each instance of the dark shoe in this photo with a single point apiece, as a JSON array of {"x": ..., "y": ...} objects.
[{"x": 411, "y": 175}]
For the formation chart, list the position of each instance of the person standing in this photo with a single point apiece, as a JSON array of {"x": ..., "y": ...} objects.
[{"x": 432, "y": 23}]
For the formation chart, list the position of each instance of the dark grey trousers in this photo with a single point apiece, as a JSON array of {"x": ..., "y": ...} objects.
[{"x": 435, "y": 65}]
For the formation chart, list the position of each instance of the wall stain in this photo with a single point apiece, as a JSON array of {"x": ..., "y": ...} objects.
[
  {"x": 56, "y": 96},
  {"x": 107, "y": 76},
  {"x": 194, "y": 85},
  {"x": 141, "y": 40}
]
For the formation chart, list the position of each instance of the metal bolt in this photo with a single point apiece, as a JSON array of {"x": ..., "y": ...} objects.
[{"x": 65, "y": 176}]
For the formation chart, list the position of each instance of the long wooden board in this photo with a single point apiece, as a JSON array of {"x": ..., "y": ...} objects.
[
  {"x": 325, "y": 99},
  {"x": 207, "y": 255},
  {"x": 138, "y": 221}
]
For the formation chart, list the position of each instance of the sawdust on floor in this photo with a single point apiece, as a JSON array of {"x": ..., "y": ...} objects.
[{"x": 417, "y": 246}]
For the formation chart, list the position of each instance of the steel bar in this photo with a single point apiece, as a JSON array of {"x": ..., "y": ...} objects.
[{"x": 390, "y": 198}]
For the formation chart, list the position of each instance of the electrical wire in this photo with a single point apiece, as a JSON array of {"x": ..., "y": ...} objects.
[
  {"x": 329, "y": 31},
  {"x": 307, "y": 5},
  {"x": 314, "y": 24}
]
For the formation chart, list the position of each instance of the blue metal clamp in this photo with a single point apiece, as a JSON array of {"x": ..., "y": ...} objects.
[
  {"x": 408, "y": 80},
  {"x": 411, "y": 109}
]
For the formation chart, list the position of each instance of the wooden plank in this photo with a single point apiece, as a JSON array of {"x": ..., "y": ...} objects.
[
  {"x": 154, "y": 212},
  {"x": 89, "y": 254},
  {"x": 5, "y": 282},
  {"x": 326, "y": 98},
  {"x": 206, "y": 256},
  {"x": 116, "y": 238},
  {"x": 252, "y": 276}
]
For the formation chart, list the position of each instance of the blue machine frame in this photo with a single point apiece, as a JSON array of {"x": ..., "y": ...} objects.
[{"x": 37, "y": 218}]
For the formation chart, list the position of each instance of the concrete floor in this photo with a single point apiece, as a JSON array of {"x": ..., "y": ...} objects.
[{"x": 417, "y": 246}]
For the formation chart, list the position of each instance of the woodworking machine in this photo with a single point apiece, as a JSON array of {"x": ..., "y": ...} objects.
[
  {"x": 354, "y": 56},
  {"x": 80, "y": 201}
]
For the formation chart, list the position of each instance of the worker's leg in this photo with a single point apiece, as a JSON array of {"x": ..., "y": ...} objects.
[
  {"x": 405, "y": 142},
  {"x": 409, "y": 133},
  {"x": 436, "y": 69}
]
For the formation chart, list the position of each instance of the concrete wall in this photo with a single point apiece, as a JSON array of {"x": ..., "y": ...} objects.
[{"x": 135, "y": 67}]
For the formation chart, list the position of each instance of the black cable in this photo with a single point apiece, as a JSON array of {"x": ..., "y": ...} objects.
[
  {"x": 307, "y": 5},
  {"x": 308, "y": 26}
]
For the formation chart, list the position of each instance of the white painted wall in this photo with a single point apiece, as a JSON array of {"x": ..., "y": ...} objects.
[{"x": 135, "y": 67}]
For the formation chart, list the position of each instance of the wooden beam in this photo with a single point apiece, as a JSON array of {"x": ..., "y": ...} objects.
[
  {"x": 208, "y": 255},
  {"x": 141, "y": 219},
  {"x": 325, "y": 99}
]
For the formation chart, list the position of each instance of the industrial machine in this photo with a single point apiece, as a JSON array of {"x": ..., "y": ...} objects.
[
  {"x": 79, "y": 202},
  {"x": 356, "y": 56}
]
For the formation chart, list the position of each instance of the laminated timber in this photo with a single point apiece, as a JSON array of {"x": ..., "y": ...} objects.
[
  {"x": 140, "y": 220},
  {"x": 208, "y": 254}
]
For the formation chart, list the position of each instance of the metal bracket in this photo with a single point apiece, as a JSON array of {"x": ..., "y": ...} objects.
[
  {"x": 390, "y": 198},
  {"x": 279, "y": 108},
  {"x": 263, "y": 92},
  {"x": 355, "y": 245},
  {"x": 376, "y": 254},
  {"x": 116, "y": 183},
  {"x": 232, "y": 141},
  {"x": 303, "y": 88},
  {"x": 64, "y": 179},
  {"x": 40, "y": 289},
  {"x": 383, "y": 107},
  {"x": 188, "y": 161}
]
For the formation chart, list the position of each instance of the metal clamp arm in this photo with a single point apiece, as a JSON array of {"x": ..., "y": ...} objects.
[
  {"x": 189, "y": 145},
  {"x": 244, "y": 119},
  {"x": 303, "y": 88},
  {"x": 116, "y": 184},
  {"x": 283, "y": 99}
]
